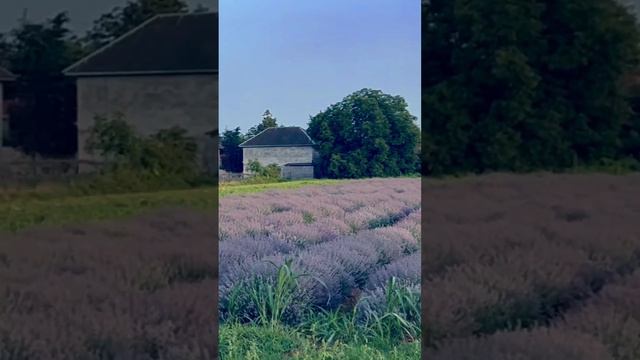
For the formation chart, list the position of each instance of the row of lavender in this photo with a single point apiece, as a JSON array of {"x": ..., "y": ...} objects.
[{"x": 347, "y": 238}]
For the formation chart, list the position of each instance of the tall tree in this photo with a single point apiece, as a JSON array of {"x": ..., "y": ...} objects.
[
  {"x": 120, "y": 20},
  {"x": 43, "y": 121},
  {"x": 232, "y": 158},
  {"x": 367, "y": 134},
  {"x": 268, "y": 121},
  {"x": 523, "y": 84}
]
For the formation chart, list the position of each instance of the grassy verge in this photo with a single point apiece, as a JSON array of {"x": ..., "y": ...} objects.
[
  {"x": 389, "y": 331},
  {"x": 281, "y": 342},
  {"x": 243, "y": 188},
  {"x": 21, "y": 213}
]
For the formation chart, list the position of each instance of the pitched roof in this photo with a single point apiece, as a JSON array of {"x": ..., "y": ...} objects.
[
  {"x": 6, "y": 75},
  {"x": 164, "y": 44},
  {"x": 280, "y": 136}
]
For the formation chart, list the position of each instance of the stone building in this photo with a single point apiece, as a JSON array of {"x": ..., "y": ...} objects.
[
  {"x": 288, "y": 147},
  {"x": 163, "y": 73},
  {"x": 5, "y": 77}
]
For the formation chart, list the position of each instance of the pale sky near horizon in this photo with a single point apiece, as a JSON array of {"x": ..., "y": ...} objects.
[{"x": 296, "y": 58}]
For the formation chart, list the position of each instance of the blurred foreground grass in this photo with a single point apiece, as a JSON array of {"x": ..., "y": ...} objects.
[
  {"x": 19, "y": 213},
  {"x": 239, "y": 342}
]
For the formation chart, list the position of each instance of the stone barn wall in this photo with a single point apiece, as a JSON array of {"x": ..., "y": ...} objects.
[
  {"x": 297, "y": 172},
  {"x": 151, "y": 103},
  {"x": 279, "y": 155}
]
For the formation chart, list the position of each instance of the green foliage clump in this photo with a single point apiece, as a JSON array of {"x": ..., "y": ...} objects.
[
  {"x": 122, "y": 19},
  {"x": 166, "y": 159},
  {"x": 526, "y": 85},
  {"x": 43, "y": 114},
  {"x": 268, "y": 121},
  {"x": 231, "y": 159},
  {"x": 368, "y": 134},
  {"x": 271, "y": 171}
]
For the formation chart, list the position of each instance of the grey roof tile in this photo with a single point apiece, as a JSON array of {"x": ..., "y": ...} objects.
[
  {"x": 280, "y": 136},
  {"x": 169, "y": 43}
]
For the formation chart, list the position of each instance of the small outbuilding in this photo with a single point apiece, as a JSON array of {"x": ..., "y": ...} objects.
[
  {"x": 288, "y": 147},
  {"x": 162, "y": 74}
]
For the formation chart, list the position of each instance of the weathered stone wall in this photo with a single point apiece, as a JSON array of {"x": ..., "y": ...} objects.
[
  {"x": 152, "y": 103},
  {"x": 297, "y": 172},
  {"x": 279, "y": 155}
]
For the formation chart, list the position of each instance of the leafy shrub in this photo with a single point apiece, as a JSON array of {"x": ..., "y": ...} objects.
[
  {"x": 166, "y": 159},
  {"x": 271, "y": 171},
  {"x": 114, "y": 139}
]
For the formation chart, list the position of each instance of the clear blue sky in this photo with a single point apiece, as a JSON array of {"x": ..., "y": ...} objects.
[{"x": 297, "y": 57}]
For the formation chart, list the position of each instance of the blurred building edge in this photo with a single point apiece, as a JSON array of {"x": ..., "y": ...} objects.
[
  {"x": 5, "y": 77},
  {"x": 162, "y": 74},
  {"x": 290, "y": 148}
]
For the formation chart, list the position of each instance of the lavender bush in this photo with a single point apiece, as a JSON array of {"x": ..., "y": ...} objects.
[
  {"x": 335, "y": 237},
  {"x": 543, "y": 266}
]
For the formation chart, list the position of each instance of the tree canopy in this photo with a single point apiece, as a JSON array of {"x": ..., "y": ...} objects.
[
  {"x": 121, "y": 20},
  {"x": 525, "y": 84},
  {"x": 367, "y": 134},
  {"x": 231, "y": 160},
  {"x": 268, "y": 121},
  {"x": 43, "y": 119}
]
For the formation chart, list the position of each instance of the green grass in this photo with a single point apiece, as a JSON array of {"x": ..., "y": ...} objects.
[
  {"x": 56, "y": 205},
  {"x": 335, "y": 334},
  {"x": 20, "y": 213},
  {"x": 243, "y": 188},
  {"x": 281, "y": 342}
]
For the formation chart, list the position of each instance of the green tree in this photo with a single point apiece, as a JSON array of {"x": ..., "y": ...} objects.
[
  {"x": 231, "y": 138},
  {"x": 232, "y": 158},
  {"x": 120, "y": 20},
  {"x": 268, "y": 121},
  {"x": 43, "y": 120},
  {"x": 367, "y": 134},
  {"x": 523, "y": 85}
]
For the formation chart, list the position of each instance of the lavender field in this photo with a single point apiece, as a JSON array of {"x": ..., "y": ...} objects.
[
  {"x": 541, "y": 266},
  {"x": 345, "y": 243}
]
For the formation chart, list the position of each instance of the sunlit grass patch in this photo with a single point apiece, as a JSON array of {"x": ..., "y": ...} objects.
[
  {"x": 237, "y": 188},
  {"x": 18, "y": 214}
]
